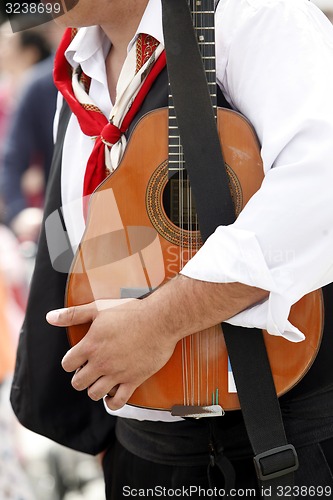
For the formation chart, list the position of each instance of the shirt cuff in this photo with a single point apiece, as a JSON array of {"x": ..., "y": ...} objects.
[
  {"x": 137, "y": 413},
  {"x": 233, "y": 255}
]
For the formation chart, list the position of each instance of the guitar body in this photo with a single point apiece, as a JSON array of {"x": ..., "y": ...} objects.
[{"x": 134, "y": 242}]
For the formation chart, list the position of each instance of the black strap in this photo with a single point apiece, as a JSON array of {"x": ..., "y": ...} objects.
[
  {"x": 275, "y": 460},
  {"x": 200, "y": 141}
]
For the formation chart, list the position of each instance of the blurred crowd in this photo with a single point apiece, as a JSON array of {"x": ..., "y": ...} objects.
[{"x": 31, "y": 467}]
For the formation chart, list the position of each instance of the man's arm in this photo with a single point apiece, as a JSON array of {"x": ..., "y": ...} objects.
[{"x": 127, "y": 344}]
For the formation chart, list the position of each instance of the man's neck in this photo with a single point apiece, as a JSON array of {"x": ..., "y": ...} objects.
[
  {"x": 120, "y": 34},
  {"x": 114, "y": 63},
  {"x": 121, "y": 31}
]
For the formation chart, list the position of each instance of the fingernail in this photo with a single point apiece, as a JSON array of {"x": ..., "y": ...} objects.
[{"x": 53, "y": 316}]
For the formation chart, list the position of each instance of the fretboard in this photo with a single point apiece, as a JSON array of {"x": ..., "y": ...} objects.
[{"x": 203, "y": 22}]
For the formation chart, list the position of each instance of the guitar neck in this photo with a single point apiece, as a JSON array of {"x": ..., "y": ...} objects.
[{"x": 203, "y": 23}]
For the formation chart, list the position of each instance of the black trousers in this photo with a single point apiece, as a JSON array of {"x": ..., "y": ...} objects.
[
  {"x": 308, "y": 422},
  {"x": 129, "y": 476}
]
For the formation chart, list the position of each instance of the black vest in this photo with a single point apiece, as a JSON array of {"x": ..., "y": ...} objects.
[{"x": 42, "y": 396}]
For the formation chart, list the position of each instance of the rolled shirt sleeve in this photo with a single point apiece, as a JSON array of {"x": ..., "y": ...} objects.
[{"x": 275, "y": 65}]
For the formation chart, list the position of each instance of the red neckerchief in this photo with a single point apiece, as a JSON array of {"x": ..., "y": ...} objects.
[{"x": 92, "y": 121}]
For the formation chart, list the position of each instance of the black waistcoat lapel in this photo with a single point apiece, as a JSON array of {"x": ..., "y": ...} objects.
[{"x": 42, "y": 396}]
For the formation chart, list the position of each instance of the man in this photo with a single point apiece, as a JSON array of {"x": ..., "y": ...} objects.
[{"x": 274, "y": 65}]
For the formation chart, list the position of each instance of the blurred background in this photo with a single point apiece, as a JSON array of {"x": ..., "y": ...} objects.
[{"x": 32, "y": 467}]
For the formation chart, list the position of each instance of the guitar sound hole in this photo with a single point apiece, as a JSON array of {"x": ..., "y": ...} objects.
[{"x": 178, "y": 202}]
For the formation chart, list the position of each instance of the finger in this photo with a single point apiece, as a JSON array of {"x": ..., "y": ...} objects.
[
  {"x": 103, "y": 304},
  {"x": 76, "y": 315},
  {"x": 99, "y": 388},
  {"x": 123, "y": 393},
  {"x": 83, "y": 378},
  {"x": 113, "y": 391},
  {"x": 76, "y": 358}
]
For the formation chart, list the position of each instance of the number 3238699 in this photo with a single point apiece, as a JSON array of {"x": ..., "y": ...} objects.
[
  {"x": 304, "y": 491},
  {"x": 33, "y": 8}
]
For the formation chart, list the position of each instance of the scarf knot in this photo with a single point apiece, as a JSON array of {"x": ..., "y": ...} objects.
[{"x": 110, "y": 134}]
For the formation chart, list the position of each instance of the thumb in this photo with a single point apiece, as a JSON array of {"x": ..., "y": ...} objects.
[{"x": 69, "y": 316}]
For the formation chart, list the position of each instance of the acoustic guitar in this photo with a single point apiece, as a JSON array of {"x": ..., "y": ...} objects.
[{"x": 141, "y": 230}]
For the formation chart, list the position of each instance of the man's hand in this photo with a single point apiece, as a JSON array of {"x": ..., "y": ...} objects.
[
  {"x": 130, "y": 340},
  {"x": 119, "y": 352}
]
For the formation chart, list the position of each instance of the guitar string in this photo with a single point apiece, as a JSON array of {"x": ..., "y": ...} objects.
[
  {"x": 198, "y": 23},
  {"x": 206, "y": 42},
  {"x": 203, "y": 53},
  {"x": 191, "y": 230},
  {"x": 211, "y": 337}
]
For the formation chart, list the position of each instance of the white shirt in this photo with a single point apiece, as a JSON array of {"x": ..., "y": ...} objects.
[
  {"x": 275, "y": 63},
  {"x": 275, "y": 66}
]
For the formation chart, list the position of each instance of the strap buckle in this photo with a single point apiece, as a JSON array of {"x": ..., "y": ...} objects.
[{"x": 269, "y": 465}]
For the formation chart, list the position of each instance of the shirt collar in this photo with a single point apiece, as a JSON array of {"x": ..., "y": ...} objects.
[
  {"x": 90, "y": 40},
  {"x": 86, "y": 43},
  {"x": 151, "y": 23}
]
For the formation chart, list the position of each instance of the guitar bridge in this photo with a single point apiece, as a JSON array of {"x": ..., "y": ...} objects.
[{"x": 197, "y": 411}]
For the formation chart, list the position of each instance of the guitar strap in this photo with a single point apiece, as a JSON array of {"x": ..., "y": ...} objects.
[{"x": 275, "y": 459}]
